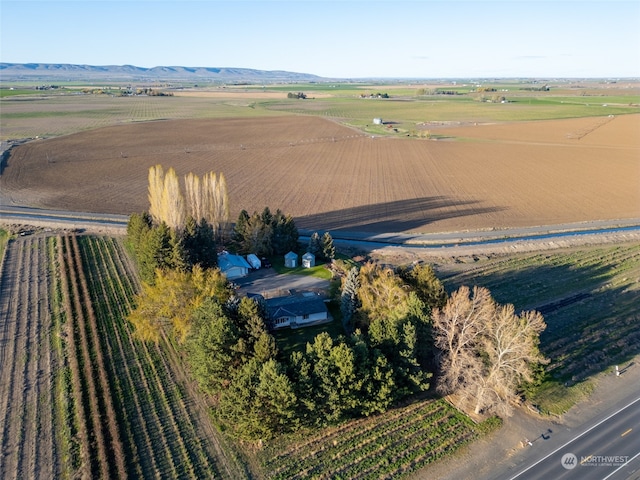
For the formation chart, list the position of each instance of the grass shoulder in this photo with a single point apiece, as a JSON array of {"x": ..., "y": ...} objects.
[{"x": 4, "y": 239}]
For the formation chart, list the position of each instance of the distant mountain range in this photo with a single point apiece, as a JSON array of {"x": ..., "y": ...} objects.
[{"x": 69, "y": 72}]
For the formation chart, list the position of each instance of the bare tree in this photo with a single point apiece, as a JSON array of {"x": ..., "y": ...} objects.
[
  {"x": 223, "y": 205},
  {"x": 156, "y": 187},
  {"x": 173, "y": 209},
  {"x": 216, "y": 203},
  {"x": 486, "y": 350},
  {"x": 194, "y": 197},
  {"x": 206, "y": 198}
]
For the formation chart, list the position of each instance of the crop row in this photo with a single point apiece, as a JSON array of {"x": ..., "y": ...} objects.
[
  {"x": 160, "y": 437},
  {"x": 386, "y": 446},
  {"x": 99, "y": 431},
  {"x": 28, "y": 362}
]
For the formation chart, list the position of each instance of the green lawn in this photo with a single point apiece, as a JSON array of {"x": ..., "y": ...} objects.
[{"x": 290, "y": 340}]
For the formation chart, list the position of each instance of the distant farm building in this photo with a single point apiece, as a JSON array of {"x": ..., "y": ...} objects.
[
  {"x": 299, "y": 310},
  {"x": 308, "y": 260},
  {"x": 377, "y": 121},
  {"x": 233, "y": 266},
  {"x": 291, "y": 260}
]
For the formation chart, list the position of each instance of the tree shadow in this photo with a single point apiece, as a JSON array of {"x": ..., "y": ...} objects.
[
  {"x": 590, "y": 303},
  {"x": 396, "y": 216}
]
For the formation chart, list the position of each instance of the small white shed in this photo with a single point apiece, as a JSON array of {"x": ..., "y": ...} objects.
[
  {"x": 308, "y": 260},
  {"x": 291, "y": 260},
  {"x": 377, "y": 121}
]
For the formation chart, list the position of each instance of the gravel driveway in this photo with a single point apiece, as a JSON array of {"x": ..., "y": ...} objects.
[{"x": 268, "y": 283}]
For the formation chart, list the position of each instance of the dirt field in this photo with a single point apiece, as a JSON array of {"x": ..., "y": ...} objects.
[
  {"x": 79, "y": 396},
  {"x": 330, "y": 177},
  {"x": 28, "y": 428}
]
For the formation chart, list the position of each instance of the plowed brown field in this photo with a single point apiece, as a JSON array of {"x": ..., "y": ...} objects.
[{"x": 331, "y": 177}]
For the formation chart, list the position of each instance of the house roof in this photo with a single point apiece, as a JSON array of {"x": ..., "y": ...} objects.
[
  {"x": 308, "y": 255},
  {"x": 227, "y": 261},
  {"x": 291, "y": 255},
  {"x": 306, "y": 303}
]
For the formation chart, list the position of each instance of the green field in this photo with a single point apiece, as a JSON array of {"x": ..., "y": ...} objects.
[
  {"x": 391, "y": 445},
  {"x": 31, "y": 113}
]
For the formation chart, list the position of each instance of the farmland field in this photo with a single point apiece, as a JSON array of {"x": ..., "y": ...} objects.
[
  {"x": 331, "y": 177},
  {"x": 80, "y": 396},
  {"x": 86, "y": 399},
  {"x": 384, "y": 446}
]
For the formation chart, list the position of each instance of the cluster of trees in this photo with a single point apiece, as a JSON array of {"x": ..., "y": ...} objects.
[
  {"x": 322, "y": 247},
  {"x": 265, "y": 233},
  {"x": 166, "y": 306},
  {"x": 400, "y": 325},
  {"x": 205, "y": 198},
  {"x": 179, "y": 231},
  {"x": 260, "y": 392},
  {"x": 486, "y": 351},
  {"x": 375, "y": 95},
  {"x": 159, "y": 247},
  {"x": 298, "y": 95}
]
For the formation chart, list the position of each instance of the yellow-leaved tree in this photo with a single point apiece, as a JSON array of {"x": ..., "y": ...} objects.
[{"x": 169, "y": 303}]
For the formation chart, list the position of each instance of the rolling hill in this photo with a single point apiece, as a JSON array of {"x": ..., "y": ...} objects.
[{"x": 72, "y": 72}]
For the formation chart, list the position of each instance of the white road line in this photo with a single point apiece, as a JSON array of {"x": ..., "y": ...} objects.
[
  {"x": 575, "y": 438},
  {"x": 622, "y": 466}
]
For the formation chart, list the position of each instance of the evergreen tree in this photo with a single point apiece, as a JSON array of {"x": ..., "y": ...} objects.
[
  {"x": 205, "y": 252},
  {"x": 260, "y": 401},
  {"x": 328, "y": 249},
  {"x": 258, "y": 237},
  {"x": 178, "y": 258},
  {"x": 300, "y": 372},
  {"x": 155, "y": 252},
  {"x": 266, "y": 216},
  {"x": 315, "y": 245},
  {"x": 285, "y": 233},
  {"x": 211, "y": 347},
  {"x": 137, "y": 227},
  {"x": 349, "y": 298},
  {"x": 239, "y": 232}
]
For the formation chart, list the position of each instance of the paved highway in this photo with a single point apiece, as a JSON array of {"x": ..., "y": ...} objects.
[
  {"x": 433, "y": 241},
  {"x": 608, "y": 448},
  {"x": 57, "y": 217}
]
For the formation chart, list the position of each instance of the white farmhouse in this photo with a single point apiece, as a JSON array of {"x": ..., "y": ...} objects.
[{"x": 299, "y": 310}]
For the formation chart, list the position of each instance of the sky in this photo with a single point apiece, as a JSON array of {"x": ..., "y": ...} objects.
[{"x": 334, "y": 39}]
